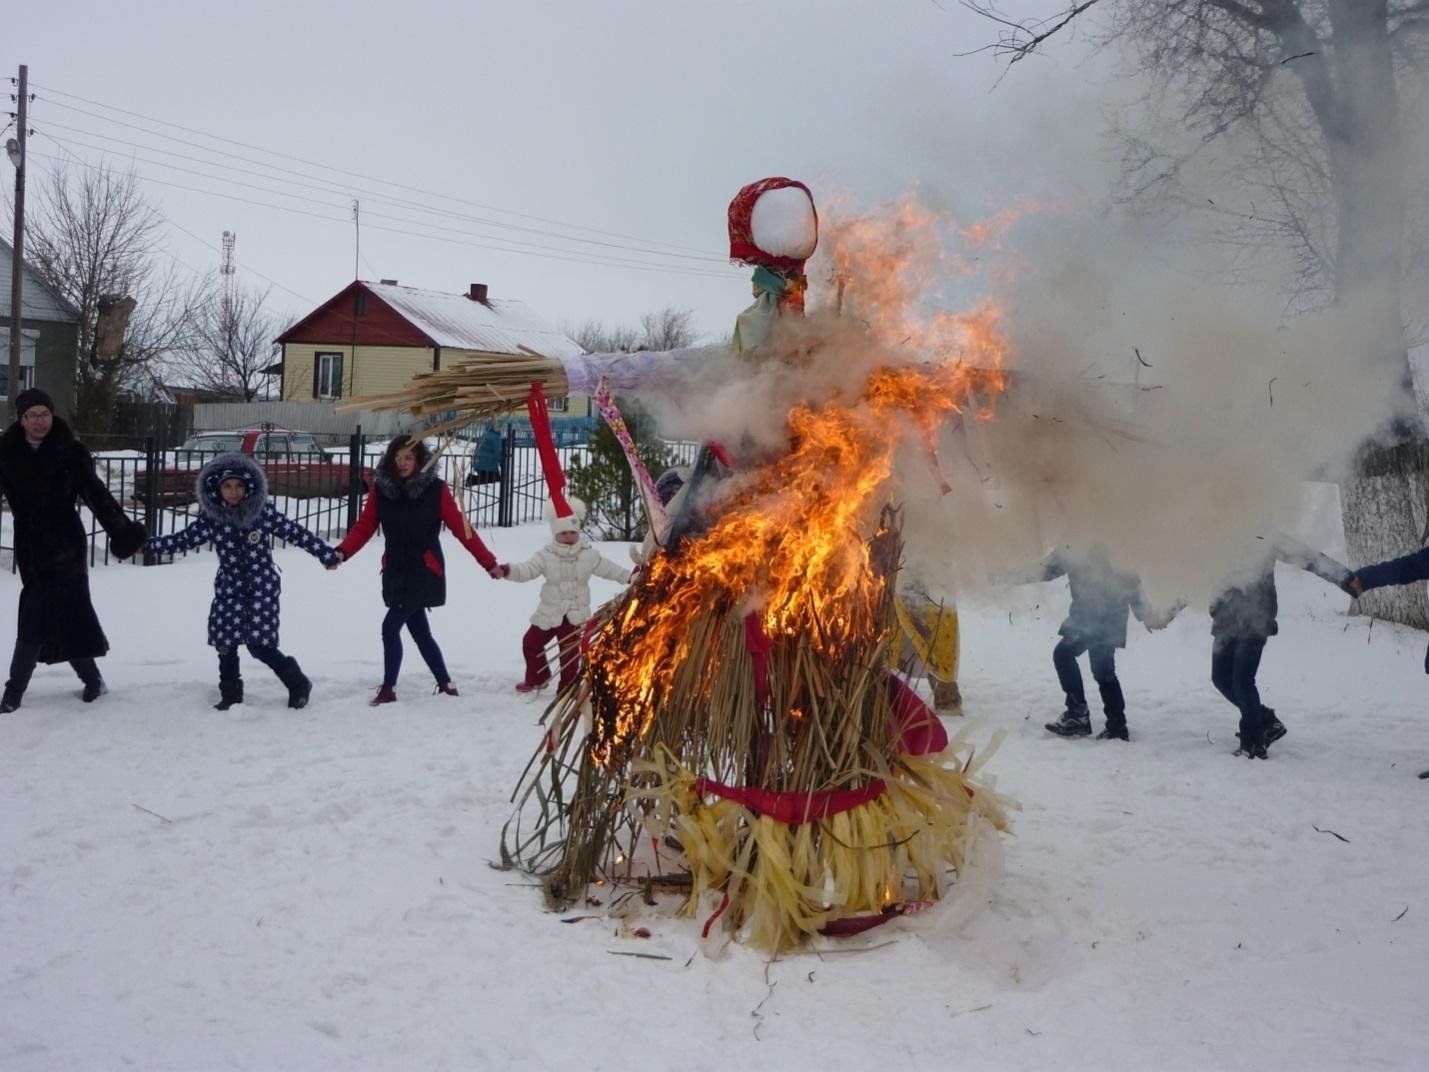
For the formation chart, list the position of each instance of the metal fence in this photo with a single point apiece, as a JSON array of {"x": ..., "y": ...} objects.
[{"x": 323, "y": 491}]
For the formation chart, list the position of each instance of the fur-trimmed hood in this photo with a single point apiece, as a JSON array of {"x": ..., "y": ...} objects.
[
  {"x": 225, "y": 467},
  {"x": 385, "y": 480},
  {"x": 53, "y": 451}
]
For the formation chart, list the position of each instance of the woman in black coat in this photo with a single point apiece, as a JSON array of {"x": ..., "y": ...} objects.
[{"x": 44, "y": 473}]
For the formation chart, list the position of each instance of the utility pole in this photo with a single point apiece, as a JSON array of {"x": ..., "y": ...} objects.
[
  {"x": 16, "y": 149},
  {"x": 356, "y": 236}
]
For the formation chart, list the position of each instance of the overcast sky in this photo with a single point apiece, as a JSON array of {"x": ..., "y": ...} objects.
[{"x": 486, "y": 140}]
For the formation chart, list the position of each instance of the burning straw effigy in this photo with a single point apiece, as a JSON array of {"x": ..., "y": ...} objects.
[{"x": 736, "y": 733}]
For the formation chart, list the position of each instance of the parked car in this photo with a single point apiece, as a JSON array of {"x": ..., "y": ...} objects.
[{"x": 296, "y": 466}]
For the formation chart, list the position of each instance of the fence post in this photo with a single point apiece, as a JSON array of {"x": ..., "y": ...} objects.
[
  {"x": 153, "y": 477},
  {"x": 504, "y": 504},
  {"x": 354, "y": 474}
]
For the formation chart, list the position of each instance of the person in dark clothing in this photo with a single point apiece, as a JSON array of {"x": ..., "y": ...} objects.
[
  {"x": 1243, "y": 618},
  {"x": 1096, "y": 624},
  {"x": 1404, "y": 570},
  {"x": 45, "y": 473},
  {"x": 236, "y": 515},
  {"x": 411, "y": 503},
  {"x": 486, "y": 459}
]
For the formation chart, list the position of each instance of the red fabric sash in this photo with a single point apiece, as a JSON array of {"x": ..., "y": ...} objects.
[{"x": 546, "y": 449}]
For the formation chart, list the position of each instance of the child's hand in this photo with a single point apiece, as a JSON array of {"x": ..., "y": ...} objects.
[
  {"x": 498, "y": 571},
  {"x": 338, "y": 559}
]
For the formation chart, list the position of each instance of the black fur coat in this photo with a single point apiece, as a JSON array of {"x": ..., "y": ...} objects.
[{"x": 44, "y": 485}]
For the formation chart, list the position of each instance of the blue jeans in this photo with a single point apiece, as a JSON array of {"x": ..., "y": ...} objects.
[{"x": 415, "y": 619}]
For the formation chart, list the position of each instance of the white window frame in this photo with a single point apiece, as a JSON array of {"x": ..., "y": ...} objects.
[
  {"x": 326, "y": 388},
  {"x": 29, "y": 339}
]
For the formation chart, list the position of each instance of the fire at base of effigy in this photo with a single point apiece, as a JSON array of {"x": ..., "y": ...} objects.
[{"x": 737, "y": 709}]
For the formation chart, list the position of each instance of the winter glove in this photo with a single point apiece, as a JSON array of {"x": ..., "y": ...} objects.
[{"x": 129, "y": 539}]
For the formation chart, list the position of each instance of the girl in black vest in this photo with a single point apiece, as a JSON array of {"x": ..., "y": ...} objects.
[{"x": 411, "y": 503}]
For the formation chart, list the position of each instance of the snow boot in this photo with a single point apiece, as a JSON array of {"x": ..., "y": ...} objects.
[
  {"x": 525, "y": 687},
  {"x": 229, "y": 693},
  {"x": 94, "y": 686},
  {"x": 1251, "y": 747},
  {"x": 446, "y": 688},
  {"x": 299, "y": 687},
  {"x": 1076, "y": 721},
  {"x": 1274, "y": 728},
  {"x": 1114, "y": 731},
  {"x": 385, "y": 694},
  {"x": 22, "y": 665}
]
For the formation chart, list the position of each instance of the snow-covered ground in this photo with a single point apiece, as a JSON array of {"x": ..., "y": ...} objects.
[{"x": 266, "y": 889}]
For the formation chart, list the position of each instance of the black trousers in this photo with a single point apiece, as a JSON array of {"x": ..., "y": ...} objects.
[
  {"x": 1102, "y": 658},
  {"x": 1234, "y": 662},
  {"x": 272, "y": 658}
]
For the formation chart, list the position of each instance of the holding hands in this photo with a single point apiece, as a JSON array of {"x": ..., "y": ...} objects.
[
  {"x": 338, "y": 560},
  {"x": 499, "y": 571},
  {"x": 1353, "y": 587}
]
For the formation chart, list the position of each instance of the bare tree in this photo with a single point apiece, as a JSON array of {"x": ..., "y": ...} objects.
[
  {"x": 668, "y": 329},
  {"x": 231, "y": 343},
  {"x": 95, "y": 237},
  {"x": 604, "y": 480},
  {"x": 1318, "y": 91}
]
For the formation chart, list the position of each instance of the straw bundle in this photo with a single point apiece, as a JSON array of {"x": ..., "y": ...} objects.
[{"x": 472, "y": 388}]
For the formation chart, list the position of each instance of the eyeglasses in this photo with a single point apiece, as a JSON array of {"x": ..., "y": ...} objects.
[{"x": 37, "y": 414}]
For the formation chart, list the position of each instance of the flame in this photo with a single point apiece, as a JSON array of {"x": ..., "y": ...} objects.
[{"x": 788, "y": 540}]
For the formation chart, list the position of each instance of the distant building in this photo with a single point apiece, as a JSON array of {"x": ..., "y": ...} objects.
[
  {"x": 49, "y": 335},
  {"x": 372, "y": 338}
]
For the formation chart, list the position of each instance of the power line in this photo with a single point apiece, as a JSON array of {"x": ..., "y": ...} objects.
[
  {"x": 344, "y": 190},
  {"x": 343, "y": 171},
  {"x": 542, "y": 252},
  {"x": 586, "y": 257}
]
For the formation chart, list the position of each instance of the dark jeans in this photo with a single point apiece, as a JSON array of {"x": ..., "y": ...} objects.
[
  {"x": 272, "y": 658},
  {"x": 415, "y": 619},
  {"x": 533, "y": 646},
  {"x": 1103, "y": 662},
  {"x": 1234, "y": 662}
]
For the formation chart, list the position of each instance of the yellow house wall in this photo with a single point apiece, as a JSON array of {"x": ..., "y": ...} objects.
[{"x": 375, "y": 370}]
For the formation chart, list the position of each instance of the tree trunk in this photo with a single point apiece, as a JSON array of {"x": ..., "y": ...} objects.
[
  {"x": 1384, "y": 510},
  {"x": 1383, "y": 504}
]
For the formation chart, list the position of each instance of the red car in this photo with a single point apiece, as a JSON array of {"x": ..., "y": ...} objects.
[{"x": 296, "y": 466}]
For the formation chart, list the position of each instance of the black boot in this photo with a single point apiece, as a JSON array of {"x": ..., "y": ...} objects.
[
  {"x": 22, "y": 665},
  {"x": 1076, "y": 721},
  {"x": 1252, "y": 746},
  {"x": 88, "y": 671},
  {"x": 299, "y": 687},
  {"x": 229, "y": 693},
  {"x": 1274, "y": 728},
  {"x": 1114, "y": 731}
]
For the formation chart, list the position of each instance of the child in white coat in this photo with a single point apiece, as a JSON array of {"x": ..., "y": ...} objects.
[{"x": 567, "y": 564}]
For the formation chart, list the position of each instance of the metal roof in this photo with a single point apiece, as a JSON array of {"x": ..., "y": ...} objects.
[{"x": 498, "y": 325}]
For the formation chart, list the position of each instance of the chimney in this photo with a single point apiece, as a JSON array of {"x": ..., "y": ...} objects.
[
  {"x": 388, "y": 282},
  {"x": 477, "y": 293}
]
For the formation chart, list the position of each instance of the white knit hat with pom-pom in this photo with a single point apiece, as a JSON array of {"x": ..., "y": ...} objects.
[{"x": 569, "y": 523}]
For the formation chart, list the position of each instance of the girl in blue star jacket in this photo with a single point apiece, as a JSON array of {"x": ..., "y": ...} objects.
[{"x": 237, "y": 517}]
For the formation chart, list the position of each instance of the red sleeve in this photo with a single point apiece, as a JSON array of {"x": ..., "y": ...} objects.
[
  {"x": 363, "y": 531},
  {"x": 462, "y": 529}
]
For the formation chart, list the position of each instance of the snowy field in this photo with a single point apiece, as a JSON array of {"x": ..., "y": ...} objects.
[{"x": 265, "y": 889}]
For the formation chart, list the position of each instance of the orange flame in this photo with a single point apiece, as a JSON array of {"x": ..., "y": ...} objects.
[{"x": 788, "y": 539}]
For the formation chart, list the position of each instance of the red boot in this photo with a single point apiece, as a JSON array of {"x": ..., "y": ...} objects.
[
  {"x": 446, "y": 688},
  {"x": 386, "y": 694}
]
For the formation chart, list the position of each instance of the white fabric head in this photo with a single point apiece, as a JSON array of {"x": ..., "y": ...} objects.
[{"x": 783, "y": 223}]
